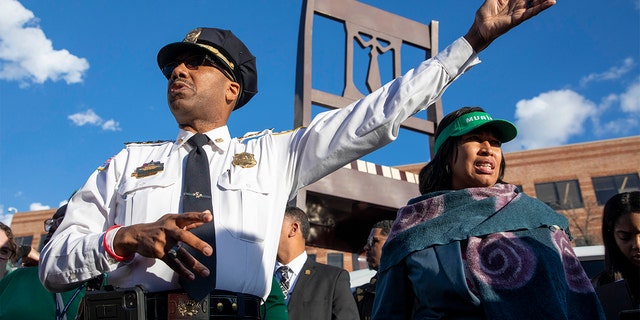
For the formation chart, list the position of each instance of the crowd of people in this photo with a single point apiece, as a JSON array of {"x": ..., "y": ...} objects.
[
  {"x": 209, "y": 234},
  {"x": 461, "y": 283}
]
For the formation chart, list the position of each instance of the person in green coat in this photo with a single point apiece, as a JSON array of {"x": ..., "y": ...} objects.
[
  {"x": 24, "y": 297},
  {"x": 275, "y": 307}
]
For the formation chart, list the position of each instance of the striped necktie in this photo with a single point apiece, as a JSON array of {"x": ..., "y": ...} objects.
[{"x": 284, "y": 280}]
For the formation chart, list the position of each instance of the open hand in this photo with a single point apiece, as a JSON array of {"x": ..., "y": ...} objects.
[{"x": 496, "y": 17}]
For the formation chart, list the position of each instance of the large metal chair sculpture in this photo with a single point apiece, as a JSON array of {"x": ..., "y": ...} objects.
[{"x": 346, "y": 202}]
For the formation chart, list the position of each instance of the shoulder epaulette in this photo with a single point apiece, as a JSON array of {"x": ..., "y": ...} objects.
[
  {"x": 254, "y": 134},
  {"x": 287, "y": 131},
  {"x": 257, "y": 134},
  {"x": 148, "y": 142}
]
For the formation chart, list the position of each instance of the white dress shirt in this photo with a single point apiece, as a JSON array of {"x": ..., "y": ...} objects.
[
  {"x": 296, "y": 267},
  {"x": 248, "y": 202}
]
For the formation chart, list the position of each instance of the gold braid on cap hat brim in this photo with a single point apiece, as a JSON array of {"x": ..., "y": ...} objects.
[{"x": 219, "y": 55}]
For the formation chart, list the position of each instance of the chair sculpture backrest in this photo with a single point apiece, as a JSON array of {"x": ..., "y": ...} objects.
[{"x": 371, "y": 27}]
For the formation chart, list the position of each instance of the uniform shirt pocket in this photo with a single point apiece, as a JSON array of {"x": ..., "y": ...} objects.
[
  {"x": 147, "y": 199},
  {"x": 243, "y": 208}
]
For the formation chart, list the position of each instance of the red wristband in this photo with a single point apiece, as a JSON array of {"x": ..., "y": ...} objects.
[{"x": 108, "y": 248}]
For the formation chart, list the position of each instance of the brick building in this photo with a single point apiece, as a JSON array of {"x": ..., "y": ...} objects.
[{"x": 577, "y": 180}]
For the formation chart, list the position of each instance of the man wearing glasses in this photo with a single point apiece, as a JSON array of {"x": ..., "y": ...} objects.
[{"x": 205, "y": 244}]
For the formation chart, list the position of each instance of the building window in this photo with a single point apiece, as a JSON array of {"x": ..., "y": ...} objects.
[
  {"x": 355, "y": 261},
  {"x": 560, "y": 195},
  {"x": 24, "y": 241},
  {"x": 607, "y": 187},
  {"x": 335, "y": 259}
]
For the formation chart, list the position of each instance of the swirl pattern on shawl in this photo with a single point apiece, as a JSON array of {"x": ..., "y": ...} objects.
[
  {"x": 501, "y": 260},
  {"x": 573, "y": 272},
  {"x": 412, "y": 215}
]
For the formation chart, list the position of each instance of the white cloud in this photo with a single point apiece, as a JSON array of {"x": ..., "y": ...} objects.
[
  {"x": 91, "y": 118},
  {"x": 111, "y": 125},
  {"x": 611, "y": 74},
  {"x": 553, "y": 117},
  {"x": 628, "y": 120},
  {"x": 630, "y": 100},
  {"x": 38, "y": 206},
  {"x": 6, "y": 218},
  {"x": 27, "y": 56},
  {"x": 550, "y": 119},
  {"x": 87, "y": 117}
]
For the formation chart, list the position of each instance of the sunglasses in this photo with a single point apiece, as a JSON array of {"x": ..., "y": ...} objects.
[
  {"x": 48, "y": 224},
  {"x": 192, "y": 63},
  {"x": 5, "y": 253}
]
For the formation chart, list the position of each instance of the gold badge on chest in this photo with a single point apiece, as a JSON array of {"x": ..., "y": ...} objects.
[
  {"x": 148, "y": 169},
  {"x": 244, "y": 160}
]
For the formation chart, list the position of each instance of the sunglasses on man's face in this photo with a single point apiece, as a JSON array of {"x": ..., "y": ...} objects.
[
  {"x": 192, "y": 63},
  {"x": 52, "y": 224}
]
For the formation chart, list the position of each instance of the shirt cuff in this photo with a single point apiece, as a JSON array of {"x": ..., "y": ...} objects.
[{"x": 458, "y": 57}]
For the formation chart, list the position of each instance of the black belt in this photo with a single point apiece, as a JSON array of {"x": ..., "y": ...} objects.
[{"x": 218, "y": 304}]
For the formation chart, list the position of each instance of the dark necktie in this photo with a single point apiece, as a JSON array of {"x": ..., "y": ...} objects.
[
  {"x": 196, "y": 196},
  {"x": 284, "y": 280}
]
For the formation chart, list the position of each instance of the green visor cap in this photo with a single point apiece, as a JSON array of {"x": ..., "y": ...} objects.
[{"x": 466, "y": 123}]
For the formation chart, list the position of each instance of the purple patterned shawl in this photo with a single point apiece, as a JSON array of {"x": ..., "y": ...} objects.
[{"x": 518, "y": 250}]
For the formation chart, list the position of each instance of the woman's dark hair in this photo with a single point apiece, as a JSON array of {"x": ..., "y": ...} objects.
[
  {"x": 13, "y": 246},
  {"x": 436, "y": 175},
  {"x": 616, "y": 264}
]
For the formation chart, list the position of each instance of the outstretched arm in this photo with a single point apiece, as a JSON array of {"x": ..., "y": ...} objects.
[{"x": 496, "y": 17}]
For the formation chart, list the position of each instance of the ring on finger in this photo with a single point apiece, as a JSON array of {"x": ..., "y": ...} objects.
[{"x": 174, "y": 250}]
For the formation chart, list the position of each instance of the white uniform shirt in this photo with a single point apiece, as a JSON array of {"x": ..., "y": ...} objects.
[{"x": 248, "y": 203}]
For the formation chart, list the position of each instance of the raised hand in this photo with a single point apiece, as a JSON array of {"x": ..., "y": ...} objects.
[{"x": 496, "y": 17}]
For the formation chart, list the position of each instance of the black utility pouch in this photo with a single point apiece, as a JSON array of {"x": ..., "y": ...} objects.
[{"x": 116, "y": 304}]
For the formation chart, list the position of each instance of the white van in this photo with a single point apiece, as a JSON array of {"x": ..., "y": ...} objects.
[{"x": 591, "y": 258}]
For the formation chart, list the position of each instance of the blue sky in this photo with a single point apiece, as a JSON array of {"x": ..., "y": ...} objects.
[{"x": 79, "y": 78}]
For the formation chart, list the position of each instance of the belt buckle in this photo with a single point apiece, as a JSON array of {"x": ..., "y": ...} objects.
[{"x": 182, "y": 307}]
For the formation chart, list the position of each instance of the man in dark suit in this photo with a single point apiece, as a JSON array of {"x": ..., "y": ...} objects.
[
  {"x": 366, "y": 293},
  {"x": 312, "y": 290}
]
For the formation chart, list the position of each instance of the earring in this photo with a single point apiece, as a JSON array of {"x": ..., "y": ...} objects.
[{"x": 446, "y": 168}]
